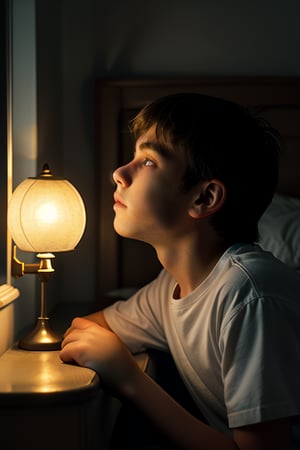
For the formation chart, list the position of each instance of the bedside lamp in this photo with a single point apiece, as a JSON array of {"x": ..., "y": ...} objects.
[{"x": 46, "y": 214}]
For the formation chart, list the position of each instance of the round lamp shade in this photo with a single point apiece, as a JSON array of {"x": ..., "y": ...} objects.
[{"x": 46, "y": 214}]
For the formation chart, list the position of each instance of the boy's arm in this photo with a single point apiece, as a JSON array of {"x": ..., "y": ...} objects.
[
  {"x": 188, "y": 433},
  {"x": 98, "y": 317},
  {"x": 98, "y": 348}
]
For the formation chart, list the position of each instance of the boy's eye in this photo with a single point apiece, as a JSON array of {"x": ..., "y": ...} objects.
[{"x": 148, "y": 162}]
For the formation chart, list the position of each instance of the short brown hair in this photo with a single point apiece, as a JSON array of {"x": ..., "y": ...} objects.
[{"x": 221, "y": 140}]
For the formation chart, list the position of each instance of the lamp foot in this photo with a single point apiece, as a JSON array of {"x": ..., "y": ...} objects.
[{"x": 41, "y": 338}]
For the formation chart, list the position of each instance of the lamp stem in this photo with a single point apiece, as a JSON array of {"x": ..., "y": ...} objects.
[
  {"x": 42, "y": 337},
  {"x": 43, "y": 300},
  {"x": 45, "y": 272}
]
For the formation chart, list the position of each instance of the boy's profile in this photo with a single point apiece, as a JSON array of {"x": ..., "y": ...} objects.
[{"x": 202, "y": 174}]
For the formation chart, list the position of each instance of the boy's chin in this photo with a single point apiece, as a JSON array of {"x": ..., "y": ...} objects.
[
  {"x": 121, "y": 231},
  {"x": 125, "y": 233}
]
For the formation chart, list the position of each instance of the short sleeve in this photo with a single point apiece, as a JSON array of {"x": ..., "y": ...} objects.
[
  {"x": 138, "y": 321},
  {"x": 261, "y": 362}
]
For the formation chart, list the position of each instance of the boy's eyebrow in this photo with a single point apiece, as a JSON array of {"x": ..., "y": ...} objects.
[{"x": 153, "y": 145}]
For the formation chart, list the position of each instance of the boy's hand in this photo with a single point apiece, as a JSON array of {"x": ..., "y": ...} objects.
[{"x": 95, "y": 347}]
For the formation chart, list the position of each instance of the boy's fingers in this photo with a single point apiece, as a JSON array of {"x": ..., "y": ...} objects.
[
  {"x": 78, "y": 323},
  {"x": 81, "y": 323}
]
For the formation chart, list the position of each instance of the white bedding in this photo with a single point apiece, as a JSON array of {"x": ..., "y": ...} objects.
[{"x": 279, "y": 229}]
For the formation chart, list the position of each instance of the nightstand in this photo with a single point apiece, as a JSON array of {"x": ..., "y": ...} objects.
[{"x": 45, "y": 404}]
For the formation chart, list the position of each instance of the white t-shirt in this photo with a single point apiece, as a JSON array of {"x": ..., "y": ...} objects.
[{"x": 235, "y": 339}]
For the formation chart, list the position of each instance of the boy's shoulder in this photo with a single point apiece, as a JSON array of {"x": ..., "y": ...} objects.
[{"x": 266, "y": 273}]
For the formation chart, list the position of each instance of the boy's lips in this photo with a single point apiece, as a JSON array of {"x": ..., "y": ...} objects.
[{"x": 118, "y": 201}]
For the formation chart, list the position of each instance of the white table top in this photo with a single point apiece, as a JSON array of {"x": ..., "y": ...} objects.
[{"x": 37, "y": 374}]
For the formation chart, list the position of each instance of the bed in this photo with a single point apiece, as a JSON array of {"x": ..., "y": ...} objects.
[{"x": 124, "y": 265}]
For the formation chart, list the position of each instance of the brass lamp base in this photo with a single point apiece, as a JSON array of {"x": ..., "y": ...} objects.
[{"x": 41, "y": 338}]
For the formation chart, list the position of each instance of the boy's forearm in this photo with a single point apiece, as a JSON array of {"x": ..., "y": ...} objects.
[
  {"x": 98, "y": 317},
  {"x": 165, "y": 413},
  {"x": 180, "y": 427}
]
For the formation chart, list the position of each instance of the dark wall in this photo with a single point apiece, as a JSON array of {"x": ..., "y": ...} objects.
[{"x": 80, "y": 41}]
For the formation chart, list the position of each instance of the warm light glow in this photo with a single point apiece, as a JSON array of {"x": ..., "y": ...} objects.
[{"x": 46, "y": 214}]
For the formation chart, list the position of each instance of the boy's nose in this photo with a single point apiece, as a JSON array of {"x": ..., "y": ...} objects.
[
  {"x": 115, "y": 176},
  {"x": 119, "y": 176}
]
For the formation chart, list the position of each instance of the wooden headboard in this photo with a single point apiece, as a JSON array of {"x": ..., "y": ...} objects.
[{"x": 126, "y": 263}]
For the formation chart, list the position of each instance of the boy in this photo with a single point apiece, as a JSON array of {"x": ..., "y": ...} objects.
[{"x": 203, "y": 172}]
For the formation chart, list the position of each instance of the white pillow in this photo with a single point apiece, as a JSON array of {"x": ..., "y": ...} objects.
[{"x": 279, "y": 229}]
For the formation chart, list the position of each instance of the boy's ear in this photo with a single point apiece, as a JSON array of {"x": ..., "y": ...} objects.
[{"x": 209, "y": 198}]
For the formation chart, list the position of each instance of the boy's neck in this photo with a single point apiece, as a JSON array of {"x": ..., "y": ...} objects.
[{"x": 190, "y": 262}]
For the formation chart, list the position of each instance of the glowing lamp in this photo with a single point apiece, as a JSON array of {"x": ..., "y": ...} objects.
[{"x": 46, "y": 214}]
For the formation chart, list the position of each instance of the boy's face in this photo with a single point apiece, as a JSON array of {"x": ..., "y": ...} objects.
[{"x": 150, "y": 204}]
